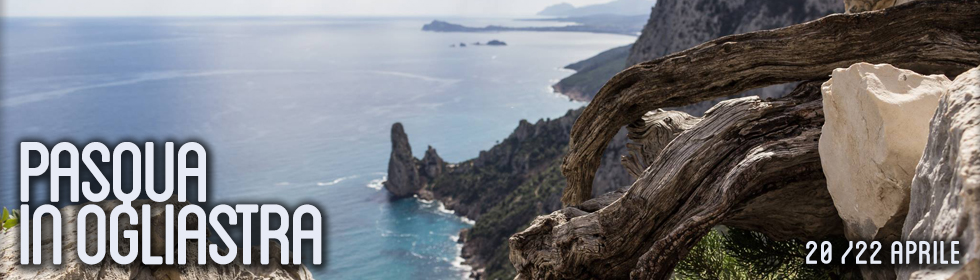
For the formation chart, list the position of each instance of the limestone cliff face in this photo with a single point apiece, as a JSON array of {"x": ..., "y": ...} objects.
[
  {"x": 945, "y": 202},
  {"x": 676, "y": 25}
]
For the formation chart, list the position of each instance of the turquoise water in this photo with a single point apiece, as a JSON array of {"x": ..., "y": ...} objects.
[{"x": 291, "y": 110}]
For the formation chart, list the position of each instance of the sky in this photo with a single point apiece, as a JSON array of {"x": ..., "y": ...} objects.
[{"x": 81, "y": 8}]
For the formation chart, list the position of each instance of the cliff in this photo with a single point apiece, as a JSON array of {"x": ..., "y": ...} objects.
[
  {"x": 505, "y": 187},
  {"x": 676, "y": 25},
  {"x": 756, "y": 164}
]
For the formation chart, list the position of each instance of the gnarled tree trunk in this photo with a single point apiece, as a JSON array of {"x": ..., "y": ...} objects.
[
  {"x": 746, "y": 157},
  {"x": 749, "y": 163},
  {"x": 925, "y": 36}
]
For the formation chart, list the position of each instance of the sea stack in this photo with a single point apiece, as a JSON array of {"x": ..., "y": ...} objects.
[
  {"x": 408, "y": 175},
  {"x": 403, "y": 176}
]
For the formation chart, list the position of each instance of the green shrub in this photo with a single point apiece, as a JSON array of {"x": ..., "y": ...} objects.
[
  {"x": 742, "y": 254},
  {"x": 9, "y": 219}
]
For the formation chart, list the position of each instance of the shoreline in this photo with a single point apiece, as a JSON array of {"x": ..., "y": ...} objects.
[
  {"x": 572, "y": 94},
  {"x": 469, "y": 249},
  {"x": 470, "y": 259},
  {"x": 463, "y": 260}
]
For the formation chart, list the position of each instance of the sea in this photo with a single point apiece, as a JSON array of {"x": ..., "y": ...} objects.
[{"x": 291, "y": 110}]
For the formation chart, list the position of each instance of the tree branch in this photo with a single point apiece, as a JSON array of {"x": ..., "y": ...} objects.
[
  {"x": 925, "y": 36},
  {"x": 727, "y": 168}
]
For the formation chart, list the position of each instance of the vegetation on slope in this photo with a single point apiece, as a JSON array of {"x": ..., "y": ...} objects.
[
  {"x": 591, "y": 74},
  {"x": 9, "y": 219},
  {"x": 730, "y": 253},
  {"x": 506, "y": 187}
]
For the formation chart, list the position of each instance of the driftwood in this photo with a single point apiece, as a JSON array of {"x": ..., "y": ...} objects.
[
  {"x": 746, "y": 158},
  {"x": 925, "y": 36}
]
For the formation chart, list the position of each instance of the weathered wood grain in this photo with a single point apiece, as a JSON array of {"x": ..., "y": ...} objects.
[
  {"x": 925, "y": 36},
  {"x": 650, "y": 134},
  {"x": 745, "y": 157}
]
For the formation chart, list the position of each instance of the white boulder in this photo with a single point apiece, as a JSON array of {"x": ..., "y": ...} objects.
[{"x": 877, "y": 125}]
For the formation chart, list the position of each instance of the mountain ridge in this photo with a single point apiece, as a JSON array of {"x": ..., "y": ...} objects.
[{"x": 616, "y": 7}]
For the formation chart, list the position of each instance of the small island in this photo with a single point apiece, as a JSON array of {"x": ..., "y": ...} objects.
[
  {"x": 612, "y": 24},
  {"x": 496, "y": 43}
]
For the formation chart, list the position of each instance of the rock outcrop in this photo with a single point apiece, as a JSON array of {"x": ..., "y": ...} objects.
[
  {"x": 431, "y": 166},
  {"x": 72, "y": 268},
  {"x": 877, "y": 126},
  {"x": 408, "y": 175},
  {"x": 857, "y": 6},
  {"x": 508, "y": 185},
  {"x": 945, "y": 203},
  {"x": 403, "y": 175},
  {"x": 676, "y": 25}
]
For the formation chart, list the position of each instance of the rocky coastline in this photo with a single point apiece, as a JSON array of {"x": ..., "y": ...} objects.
[
  {"x": 507, "y": 171},
  {"x": 502, "y": 189},
  {"x": 789, "y": 128}
]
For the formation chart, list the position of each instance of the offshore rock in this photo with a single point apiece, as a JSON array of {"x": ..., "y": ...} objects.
[
  {"x": 945, "y": 203},
  {"x": 72, "y": 268},
  {"x": 403, "y": 175},
  {"x": 877, "y": 124}
]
